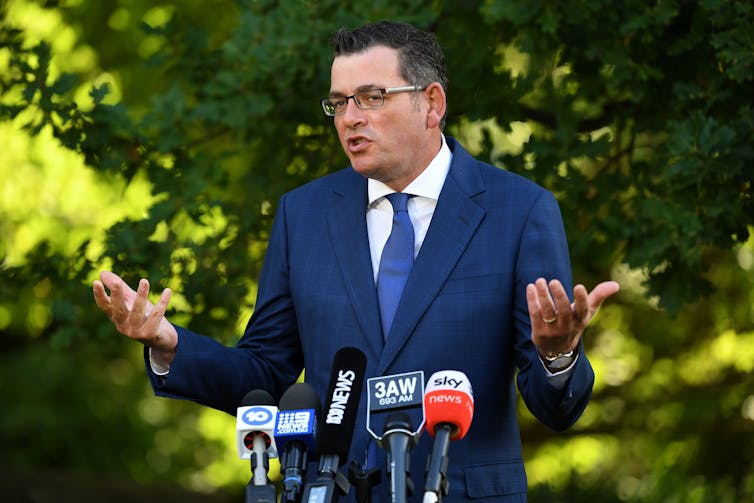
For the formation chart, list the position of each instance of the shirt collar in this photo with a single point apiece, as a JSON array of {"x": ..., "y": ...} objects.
[{"x": 428, "y": 184}]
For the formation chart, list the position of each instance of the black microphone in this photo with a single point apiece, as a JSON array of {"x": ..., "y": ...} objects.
[
  {"x": 398, "y": 439},
  {"x": 295, "y": 432},
  {"x": 449, "y": 407},
  {"x": 336, "y": 426},
  {"x": 255, "y": 424},
  {"x": 397, "y": 398}
]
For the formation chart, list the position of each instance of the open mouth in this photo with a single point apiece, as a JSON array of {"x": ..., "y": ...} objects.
[{"x": 357, "y": 144}]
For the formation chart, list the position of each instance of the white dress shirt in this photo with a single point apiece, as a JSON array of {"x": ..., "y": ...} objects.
[{"x": 425, "y": 189}]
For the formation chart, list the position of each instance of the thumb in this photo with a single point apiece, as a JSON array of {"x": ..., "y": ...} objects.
[{"x": 601, "y": 292}]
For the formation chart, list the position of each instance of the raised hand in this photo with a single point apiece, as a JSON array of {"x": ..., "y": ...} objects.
[
  {"x": 134, "y": 315},
  {"x": 556, "y": 323}
]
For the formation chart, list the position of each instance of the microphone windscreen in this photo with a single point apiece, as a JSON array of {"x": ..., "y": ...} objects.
[
  {"x": 297, "y": 416},
  {"x": 448, "y": 398},
  {"x": 300, "y": 396},
  {"x": 398, "y": 421},
  {"x": 338, "y": 420},
  {"x": 255, "y": 418},
  {"x": 257, "y": 397}
]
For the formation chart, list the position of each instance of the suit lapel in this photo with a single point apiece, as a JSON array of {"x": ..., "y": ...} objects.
[
  {"x": 454, "y": 222},
  {"x": 348, "y": 233}
]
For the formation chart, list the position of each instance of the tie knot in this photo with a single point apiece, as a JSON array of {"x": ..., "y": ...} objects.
[{"x": 399, "y": 200}]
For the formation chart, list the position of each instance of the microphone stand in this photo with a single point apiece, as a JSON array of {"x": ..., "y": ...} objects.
[
  {"x": 259, "y": 490},
  {"x": 363, "y": 481},
  {"x": 330, "y": 483},
  {"x": 260, "y": 494},
  {"x": 399, "y": 439},
  {"x": 436, "y": 484},
  {"x": 293, "y": 466}
]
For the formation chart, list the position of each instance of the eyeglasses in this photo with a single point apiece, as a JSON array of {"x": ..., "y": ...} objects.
[{"x": 365, "y": 100}]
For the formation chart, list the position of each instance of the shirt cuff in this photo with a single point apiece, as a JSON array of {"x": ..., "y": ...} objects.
[
  {"x": 157, "y": 369},
  {"x": 560, "y": 378}
]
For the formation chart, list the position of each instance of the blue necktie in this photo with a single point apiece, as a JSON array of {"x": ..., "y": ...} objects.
[{"x": 397, "y": 259}]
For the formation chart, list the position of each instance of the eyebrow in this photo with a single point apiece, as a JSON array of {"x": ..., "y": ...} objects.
[{"x": 360, "y": 89}]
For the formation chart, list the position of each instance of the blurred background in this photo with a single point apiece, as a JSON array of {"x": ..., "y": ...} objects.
[{"x": 155, "y": 138}]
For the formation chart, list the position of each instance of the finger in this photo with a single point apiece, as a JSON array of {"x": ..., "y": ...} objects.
[
  {"x": 118, "y": 309},
  {"x": 152, "y": 323},
  {"x": 536, "y": 317},
  {"x": 580, "y": 304},
  {"x": 113, "y": 281},
  {"x": 162, "y": 304},
  {"x": 109, "y": 279},
  {"x": 159, "y": 309},
  {"x": 546, "y": 306},
  {"x": 100, "y": 297},
  {"x": 561, "y": 299},
  {"x": 142, "y": 293},
  {"x": 532, "y": 302}
]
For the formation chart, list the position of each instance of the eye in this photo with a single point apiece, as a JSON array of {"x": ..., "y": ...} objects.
[{"x": 371, "y": 97}]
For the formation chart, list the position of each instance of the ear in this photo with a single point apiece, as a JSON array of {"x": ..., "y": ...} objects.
[{"x": 436, "y": 96}]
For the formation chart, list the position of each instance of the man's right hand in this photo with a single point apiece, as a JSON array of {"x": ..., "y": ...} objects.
[{"x": 135, "y": 316}]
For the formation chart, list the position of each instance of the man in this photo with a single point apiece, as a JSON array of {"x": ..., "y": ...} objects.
[{"x": 475, "y": 300}]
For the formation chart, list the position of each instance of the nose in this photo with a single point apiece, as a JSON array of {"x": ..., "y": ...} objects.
[{"x": 353, "y": 116}]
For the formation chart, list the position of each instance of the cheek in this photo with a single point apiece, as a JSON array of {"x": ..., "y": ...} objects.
[{"x": 341, "y": 130}]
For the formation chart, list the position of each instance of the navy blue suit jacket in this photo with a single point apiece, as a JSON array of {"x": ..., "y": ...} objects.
[{"x": 463, "y": 308}]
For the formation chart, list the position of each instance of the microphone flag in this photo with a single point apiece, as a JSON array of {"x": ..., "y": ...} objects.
[
  {"x": 449, "y": 405},
  {"x": 256, "y": 417},
  {"x": 336, "y": 426},
  {"x": 295, "y": 430},
  {"x": 395, "y": 409},
  {"x": 255, "y": 425},
  {"x": 449, "y": 399},
  {"x": 398, "y": 392}
]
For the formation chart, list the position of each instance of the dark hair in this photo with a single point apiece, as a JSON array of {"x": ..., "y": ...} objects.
[{"x": 420, "y": 58}]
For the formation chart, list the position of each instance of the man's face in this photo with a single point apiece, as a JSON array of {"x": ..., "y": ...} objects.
[{"x": 393, "y": 143}]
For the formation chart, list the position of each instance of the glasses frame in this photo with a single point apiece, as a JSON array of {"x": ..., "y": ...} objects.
[{"x": 383, "y": 91}]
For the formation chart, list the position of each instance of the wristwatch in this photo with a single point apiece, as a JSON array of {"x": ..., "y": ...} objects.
[{"x": 559, "y": 361}]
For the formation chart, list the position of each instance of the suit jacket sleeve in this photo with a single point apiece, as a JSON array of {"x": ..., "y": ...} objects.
[{"x": 544, "y": 252}]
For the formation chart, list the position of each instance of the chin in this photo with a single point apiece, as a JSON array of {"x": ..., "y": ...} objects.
[{"x": 366, "y": 171}]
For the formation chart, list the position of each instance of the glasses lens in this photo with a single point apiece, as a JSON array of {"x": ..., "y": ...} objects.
[
  {"x": 365, "y": 100},
  {"x": 369, "y": 99},
  {"x": 335, "y": 106},
  {"x": 329, "y": 106}
]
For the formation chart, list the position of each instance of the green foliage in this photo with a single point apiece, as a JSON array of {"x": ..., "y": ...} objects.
[
  {"x": 661, "y": 82},
  {"x": 182, "y": 124}
]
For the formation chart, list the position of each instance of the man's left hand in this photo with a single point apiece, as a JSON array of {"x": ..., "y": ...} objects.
[{"x": 556, "y": 322}]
